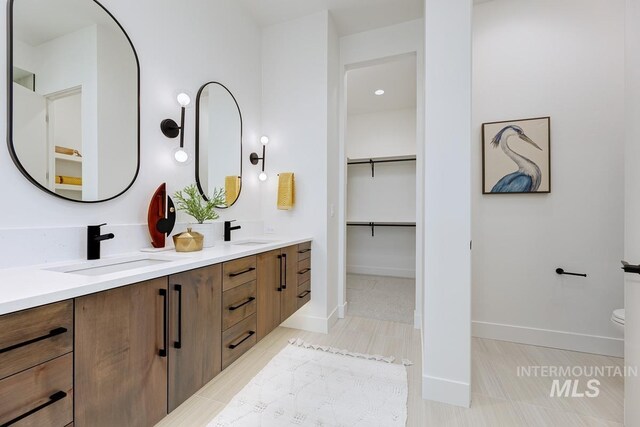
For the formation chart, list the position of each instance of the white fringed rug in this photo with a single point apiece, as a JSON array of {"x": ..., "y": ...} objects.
[{"x": 319, "y": 386}]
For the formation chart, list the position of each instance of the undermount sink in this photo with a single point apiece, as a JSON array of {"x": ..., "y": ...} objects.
[
  {"x": 108, "y": 266},
  {"x": 252, "y": 242}
]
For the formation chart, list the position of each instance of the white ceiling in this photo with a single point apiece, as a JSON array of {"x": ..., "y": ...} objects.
[
  {"x": 38, "y": 21},
  {"x": 397, "y": 78},
  {"x": 350, "y": 16}
]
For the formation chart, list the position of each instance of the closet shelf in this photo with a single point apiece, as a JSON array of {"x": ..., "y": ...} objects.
[
  {"x": 68, "y": 158},
  {"x": 373, "y": 225},
  {"x": 68, "y": 187},
  {"x": 374, "y": 160}
]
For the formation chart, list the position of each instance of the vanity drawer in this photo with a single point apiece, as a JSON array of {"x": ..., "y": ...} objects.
[
  {"x": 304, "y": 271},
  {"x": 40, "y": 396},
  {"x": 237, "y": 340},
  {"x": 304, "y": 251},
  {"x": 238, "y": 303},
  {"x": 30, "y": 337},
  {"x": 238, "y": 272},
  {"x": 304, "y": 293}
]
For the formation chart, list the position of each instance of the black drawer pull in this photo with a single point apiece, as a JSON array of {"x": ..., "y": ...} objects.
[
  {"x": 306, "y": 270},
  {"x": 59, "y": 395},
  {"x": 250, "y": 334},
  {"x": 241, "y": 272},
  {"x": 163, "y": 351},
  {"x": 304, "y": 294},
  {"x": 52, "y": 333},
  {"x": 178, "y": 343},
  {"x": 235, "y": 307},
  {"x": 304, "y": 251}
]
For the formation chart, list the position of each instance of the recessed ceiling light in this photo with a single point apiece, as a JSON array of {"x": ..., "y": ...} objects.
[{"x": 379, "y": 92}]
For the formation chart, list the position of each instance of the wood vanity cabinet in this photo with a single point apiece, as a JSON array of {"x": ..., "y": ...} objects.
[
  {"x": 277, "y": 288},
  {"x": 36, "y": 366},
  {"x": 194, "y": 331},
  {"x": 239, "y": 303},
  {"x": 121, "y": 356}
]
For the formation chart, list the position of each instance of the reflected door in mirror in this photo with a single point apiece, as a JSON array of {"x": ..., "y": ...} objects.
[
  {"x": 218, "y": 142},
  {"x": 74, "y": 85}
]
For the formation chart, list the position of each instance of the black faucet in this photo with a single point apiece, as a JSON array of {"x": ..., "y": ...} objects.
[
  {"x": 228, "y": 229},
  {"x": 93, "y": 240}
]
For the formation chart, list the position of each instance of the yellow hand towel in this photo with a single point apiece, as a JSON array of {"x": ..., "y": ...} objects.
[
  {"x": 286, "y": 191},
  {"x": 231, "y": 189}
]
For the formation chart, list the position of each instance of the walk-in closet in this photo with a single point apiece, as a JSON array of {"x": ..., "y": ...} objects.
[{"x": 380, "y": 144}]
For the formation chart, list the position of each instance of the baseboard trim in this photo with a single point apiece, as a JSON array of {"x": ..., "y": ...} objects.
[
  {"x": 446, "y": 391},
  {"x": 342, "y": 310},
  {"x": 382, "y": 271},
  {"x": 306, "y": 322},
  {"x": 549, "y": 338}
]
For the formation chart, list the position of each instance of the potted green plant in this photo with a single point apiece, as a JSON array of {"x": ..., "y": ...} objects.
[{"x": 190, "y": 201}]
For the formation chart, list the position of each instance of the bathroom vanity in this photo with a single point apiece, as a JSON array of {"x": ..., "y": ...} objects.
[{"x": 112, "y": 349}]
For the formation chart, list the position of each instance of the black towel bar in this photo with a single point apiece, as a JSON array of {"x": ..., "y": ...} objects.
[{"x": 561, "y": 271}]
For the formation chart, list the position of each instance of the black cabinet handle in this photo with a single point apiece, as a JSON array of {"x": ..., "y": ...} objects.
[
  {"x": 241, "y": 272},
  {"x": 280, "y": 278},
  {"x": 304, "y": 294},
  {"x": 306, "y": 270},
  {"x": 163, "y": 351},
  {"x": 284, "y": 276},
  {"x": 59, "y": 395},
  {"x": 178, "y": 343},
  {"x": 235, "y": 307},
  {"x": 304, "y": 251},
  {"x": 249, "y": 334},
  {"x": 51, "y": 334}
]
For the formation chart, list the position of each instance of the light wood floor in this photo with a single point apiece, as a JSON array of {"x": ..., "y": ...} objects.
[{"x": 500, "y": 397}]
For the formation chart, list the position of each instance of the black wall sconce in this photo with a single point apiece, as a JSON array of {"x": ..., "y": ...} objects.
[
  {"x": 254, "y": 158},
  {"x": 170, "y": 129}
]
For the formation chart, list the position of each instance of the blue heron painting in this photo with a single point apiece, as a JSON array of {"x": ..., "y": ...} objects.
[{"x": 528, "y": 176}]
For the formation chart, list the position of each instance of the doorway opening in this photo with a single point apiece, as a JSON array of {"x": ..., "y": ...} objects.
[{"x": 381, "y": 179}]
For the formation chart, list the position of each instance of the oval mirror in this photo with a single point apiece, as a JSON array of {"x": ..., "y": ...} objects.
[
  {"x": 218, "y": 143},
  {"x": 73, "y": 88}
]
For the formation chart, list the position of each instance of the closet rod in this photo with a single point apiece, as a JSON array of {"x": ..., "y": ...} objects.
[
  {"x": 373, "y": 162},
  {"x": 373, "y": 225}
]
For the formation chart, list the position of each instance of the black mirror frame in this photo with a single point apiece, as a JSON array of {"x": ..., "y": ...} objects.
[
  {"x": 12, "y": 151},
  {"x": 197, "y": 160}
]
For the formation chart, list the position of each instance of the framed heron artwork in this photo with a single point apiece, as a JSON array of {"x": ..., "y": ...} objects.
[{"x": 516, "y": 156}]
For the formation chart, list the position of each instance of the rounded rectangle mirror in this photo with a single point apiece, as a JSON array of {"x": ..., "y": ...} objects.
[
  {"x": 218, "y": 142},
  {"x": 73, "y": 91}
]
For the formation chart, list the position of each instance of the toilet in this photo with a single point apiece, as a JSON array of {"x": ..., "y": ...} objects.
[{"x": 618, "y": 318}]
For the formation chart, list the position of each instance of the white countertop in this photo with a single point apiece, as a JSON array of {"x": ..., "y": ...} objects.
[{"x": 28, "y": 287}]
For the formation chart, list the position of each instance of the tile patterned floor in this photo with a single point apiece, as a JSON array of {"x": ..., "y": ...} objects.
[{"x": 383, "y": 298}]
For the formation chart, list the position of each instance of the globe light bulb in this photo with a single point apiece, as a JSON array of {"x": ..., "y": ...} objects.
[
  {"x": 262, "y": 176},
  {"x": 379, "y": 92},
  {"x": 181, "y": 155},
  {"x": 184, "y": 99},
  {"x": 264, "y": 140}
]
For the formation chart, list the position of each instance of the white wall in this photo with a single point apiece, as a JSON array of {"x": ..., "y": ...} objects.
[
  {"x": 222, "y": 43},
  {"x": 381, "y": 134},
  {"x": 447, "y": 209},
  {"x": 298, "y": 89},
  {"x": 117, "y": 106},
  {"x": 359, "y": 50},
  {"x": 564, "y": 59},
  {"x": 632, "y": 211}
]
